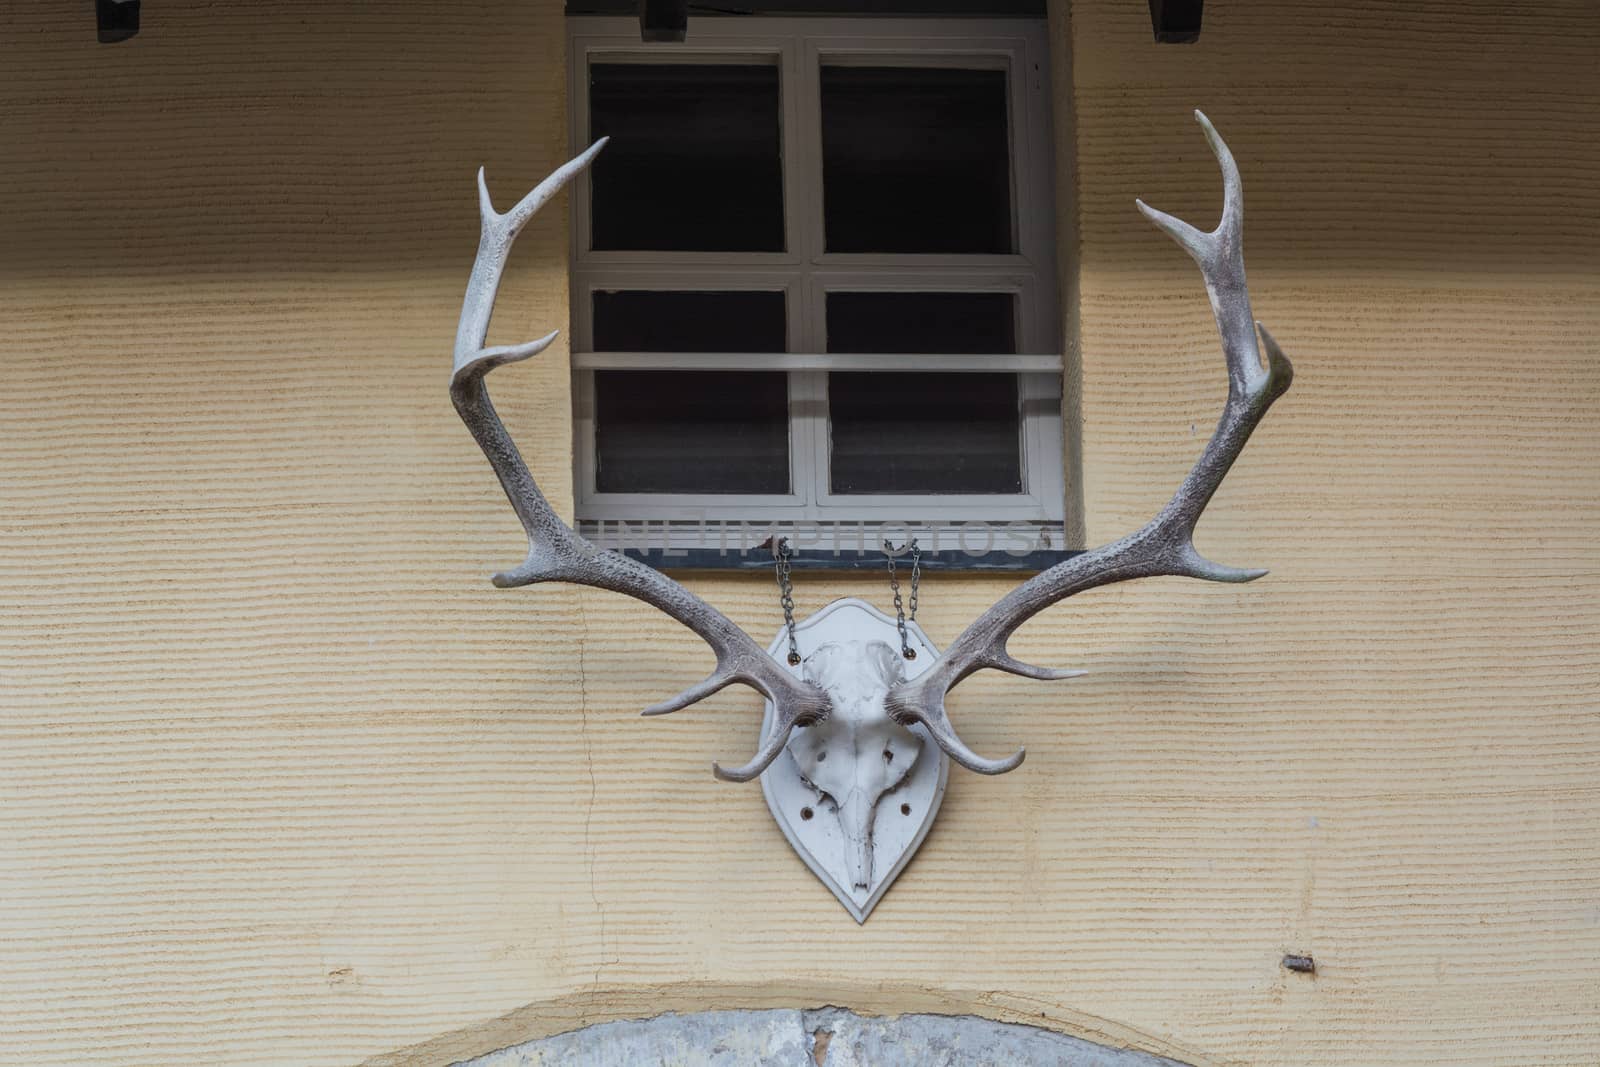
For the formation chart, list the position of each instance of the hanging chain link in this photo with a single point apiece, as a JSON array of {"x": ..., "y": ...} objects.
[
  {"x": 894, "y": 583},
  {"x": 916, "y": 576},
  {"x": 781, "y": 554}
]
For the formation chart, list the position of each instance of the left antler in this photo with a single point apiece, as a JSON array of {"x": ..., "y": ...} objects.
[
  {"x": 1165, "y": 546},
  {"x": 556, "y": 552}
]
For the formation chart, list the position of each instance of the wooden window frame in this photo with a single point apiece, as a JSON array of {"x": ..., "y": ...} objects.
[{"x": 804, "y": 272}]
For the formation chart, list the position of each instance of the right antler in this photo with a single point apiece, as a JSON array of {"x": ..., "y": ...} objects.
[
  {"x": 1165, "y": 546},
  {"x": 556, "y": 552}
]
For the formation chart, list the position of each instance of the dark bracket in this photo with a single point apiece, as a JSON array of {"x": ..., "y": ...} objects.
[
  {"x": 116, "y": 20},
  {"x": 663, "y": 20},
  {"x": 1175, "y": 21}
]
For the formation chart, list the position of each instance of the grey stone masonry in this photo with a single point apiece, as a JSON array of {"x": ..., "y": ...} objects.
[{"x": 826, "y": 1037}]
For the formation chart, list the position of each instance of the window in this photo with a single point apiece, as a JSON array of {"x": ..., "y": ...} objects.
[{"x": 814, "y": 281}]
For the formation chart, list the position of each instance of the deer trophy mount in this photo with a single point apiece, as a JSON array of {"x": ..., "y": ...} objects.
[{"x": 857, "y": 722}]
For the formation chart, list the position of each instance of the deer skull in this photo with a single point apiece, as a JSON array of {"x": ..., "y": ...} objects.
[
  {"x": 858, "y": 790},
  {"x": 858, "y": 753}
]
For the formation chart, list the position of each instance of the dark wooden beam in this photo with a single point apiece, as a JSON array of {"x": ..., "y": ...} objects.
[{"x": 860, "y": 8}]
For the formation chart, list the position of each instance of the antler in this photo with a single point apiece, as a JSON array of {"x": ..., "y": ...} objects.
[
  {"x": 1165, "y": 546},
  {"x": 556, "y": 552}
]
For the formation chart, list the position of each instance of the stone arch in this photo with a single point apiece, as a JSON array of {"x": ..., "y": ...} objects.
[{"x": 825, "y": 1037}]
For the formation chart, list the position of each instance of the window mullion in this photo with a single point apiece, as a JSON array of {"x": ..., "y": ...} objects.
[
  {"x": 802, "y": 428},
  {"x": 803, "y": 170}
]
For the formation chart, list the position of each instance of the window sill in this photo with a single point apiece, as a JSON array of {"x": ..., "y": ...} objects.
[
  {"x": 969, "y": 547},
  {"x": 825, "y": 560}
]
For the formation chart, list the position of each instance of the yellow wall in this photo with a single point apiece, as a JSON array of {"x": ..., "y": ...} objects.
[{"x": 284, "y": 780}]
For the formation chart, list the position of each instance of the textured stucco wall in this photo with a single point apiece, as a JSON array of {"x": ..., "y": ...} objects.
[{"x": 284, "y": 780}]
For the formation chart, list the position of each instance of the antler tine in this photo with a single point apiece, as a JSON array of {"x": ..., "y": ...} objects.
[
  {"x": 788, "y": 719},
  {"x": 557, "y": 552},
  {"x": 1252, "y": 386},
  {"x": 1165, "y": 546}
]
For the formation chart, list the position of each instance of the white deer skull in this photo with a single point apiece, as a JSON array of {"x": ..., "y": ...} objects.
[
  {"x": 857, "y": 791},
  {"x": 858, "y": 753}
]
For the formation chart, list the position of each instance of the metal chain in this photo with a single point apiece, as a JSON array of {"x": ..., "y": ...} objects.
[
  {"x": 781, "y": 554},
  {"x": 894, "y": 584},
  {"x": 916, "y": 576}
]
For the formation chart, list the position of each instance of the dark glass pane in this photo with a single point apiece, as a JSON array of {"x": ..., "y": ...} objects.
[
  {"x": 694, "y": 163},
  {"x": 636, "y": 320},
  {"x": 691, "y": 432},
  {"x": 915, "y": 160},
  {"x": 922, "y": 322},
  {"x": 924, "y": 433}
]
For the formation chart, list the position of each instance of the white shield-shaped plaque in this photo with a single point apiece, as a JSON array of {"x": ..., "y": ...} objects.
[{"x": 850, "y": 810}]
